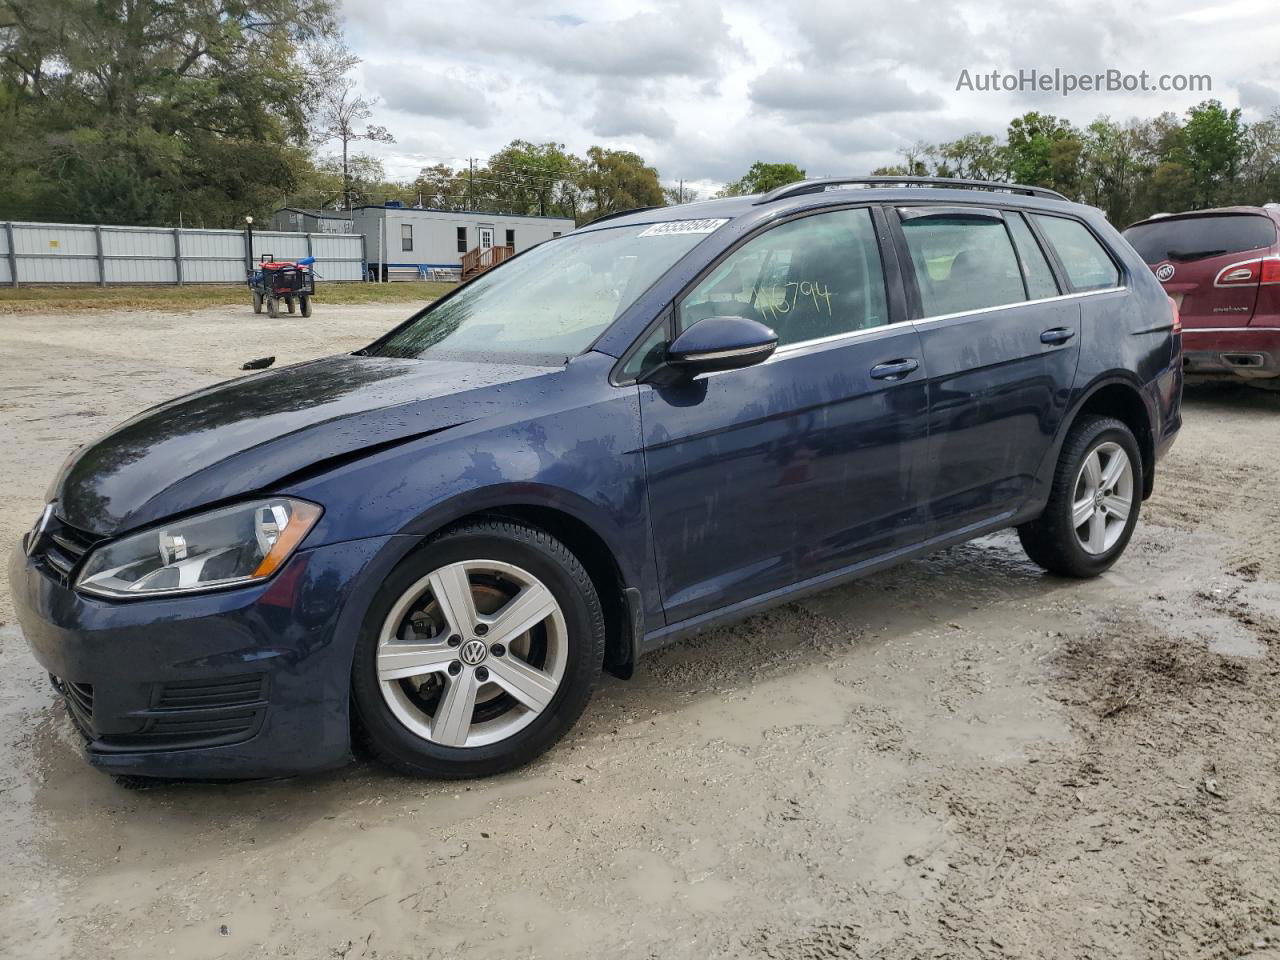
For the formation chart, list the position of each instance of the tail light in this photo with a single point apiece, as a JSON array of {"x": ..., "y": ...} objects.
[
  {"x": 1177, "y": 316},
  {"x": 1249, "y": 273}
]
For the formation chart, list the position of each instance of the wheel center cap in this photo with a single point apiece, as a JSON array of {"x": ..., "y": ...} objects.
[{"x": 473, "y": 652}]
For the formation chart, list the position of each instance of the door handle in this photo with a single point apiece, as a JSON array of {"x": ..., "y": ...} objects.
[
  {"x": 894, "y": 369},
  {"x": 1057, "y": 335}
]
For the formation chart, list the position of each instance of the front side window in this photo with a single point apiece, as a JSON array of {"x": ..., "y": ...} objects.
[
  {"x": 1087, "y": 265},
  {"x": 545, "y": 305},
  {"x": 462, "y": 239},
  {"x": 815, "y": 277},
  {"x": 406, "y": 236},
  {"x": 962, "y": 263}
]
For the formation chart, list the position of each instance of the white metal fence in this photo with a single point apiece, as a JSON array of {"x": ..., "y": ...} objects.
[{"x": 37, "y": 253}]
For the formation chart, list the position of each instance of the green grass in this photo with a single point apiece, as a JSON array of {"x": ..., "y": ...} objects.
[{"x": 58, "y": 299}]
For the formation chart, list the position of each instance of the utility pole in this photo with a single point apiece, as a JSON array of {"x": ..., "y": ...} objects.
[
  {"x": 682, "y": 189},
  {"x": 471, "y": 184}
]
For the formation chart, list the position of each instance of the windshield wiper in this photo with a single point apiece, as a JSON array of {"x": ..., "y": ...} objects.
[{"x": 1194, "y": 254}]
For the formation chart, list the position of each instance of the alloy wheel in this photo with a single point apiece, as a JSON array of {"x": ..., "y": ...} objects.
[
  {"x": 472, "y": 653},
  {"x": 1103, "y": 498}
]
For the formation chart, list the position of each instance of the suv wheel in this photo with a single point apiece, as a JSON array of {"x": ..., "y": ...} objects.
[
  {"x": 479, "y": 652},
  {"x": 1094, "y": 504}
]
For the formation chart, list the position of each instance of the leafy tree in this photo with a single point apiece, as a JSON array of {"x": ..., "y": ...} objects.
[
  {"x": 763, "y": 177},
  {"x": 1213, "y": 146},
  {"x": 975, "y": 156},
  {"x": 149, "y": 111},
  {"x": 344, "y": 116},
  {"x": 616, "y": 180},
  {"x": 1044, "y": 150}
]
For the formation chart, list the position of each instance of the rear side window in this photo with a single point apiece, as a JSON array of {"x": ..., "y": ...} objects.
[
  {"x": 819, "y": 276},
  {"x": 962, "y": 263},
  {"x": 1039, "y": 276},
  {"x": 1197, "y": 238},
  {"x": 1087, "y": 264}
]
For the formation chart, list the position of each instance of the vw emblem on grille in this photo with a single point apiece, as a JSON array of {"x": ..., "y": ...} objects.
[
  {"x": 1164, "y": 272},
  {"x": 38, "y": 530},
  {"x": 473, "y": 652}
]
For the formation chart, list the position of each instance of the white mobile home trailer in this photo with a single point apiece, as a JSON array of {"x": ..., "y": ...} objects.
[{"x": 409, "y": 242}]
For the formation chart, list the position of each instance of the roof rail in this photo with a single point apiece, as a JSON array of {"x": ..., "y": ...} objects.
[
  {"x": 621, "y": 213},
  {"x": 823, "y": 183}
]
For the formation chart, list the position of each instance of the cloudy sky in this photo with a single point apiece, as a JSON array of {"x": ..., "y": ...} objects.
[{"x": 702, "y": 88}]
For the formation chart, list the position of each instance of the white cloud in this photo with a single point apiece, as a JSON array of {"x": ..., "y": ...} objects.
[{"x": 703, "y": 88}]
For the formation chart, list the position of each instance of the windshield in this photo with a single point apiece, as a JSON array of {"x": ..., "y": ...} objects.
[
  {"x": 1197, "y": 238},
  {"x": 549, "y": 303}
]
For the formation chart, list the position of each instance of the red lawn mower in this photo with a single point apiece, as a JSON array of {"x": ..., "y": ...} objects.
[{"x": 292, "y": 281}]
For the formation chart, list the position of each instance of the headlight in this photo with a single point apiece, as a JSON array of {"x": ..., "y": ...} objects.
[{"x": 222, "y": 548}]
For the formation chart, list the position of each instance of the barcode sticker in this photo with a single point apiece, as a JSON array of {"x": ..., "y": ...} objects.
[{"x": 673, "y": 227}]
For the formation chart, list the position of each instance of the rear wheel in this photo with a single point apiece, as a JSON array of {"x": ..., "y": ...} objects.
[
  {"x": 257, "y": 302},
  {"x": 1094, "y": 504},
  {"x": 288, "y": 304},
  {"x": 306, "y": 306},
  {"x": 480, "y": 652},
  {"x": 273, "y": 307}
]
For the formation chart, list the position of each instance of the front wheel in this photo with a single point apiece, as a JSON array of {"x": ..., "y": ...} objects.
[
  {"x": 480, "y": 651},
  {"x": 306, "y": 306},
  {"x": 257, "y": 302},
  {"x": 1094, "y": 503}
]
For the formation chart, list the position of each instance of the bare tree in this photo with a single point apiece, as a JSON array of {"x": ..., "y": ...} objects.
[{"x": 342, "y": 116}]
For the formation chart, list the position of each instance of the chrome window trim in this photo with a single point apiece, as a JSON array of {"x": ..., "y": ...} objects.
[
  {"x": 1186, "y": 330},
  {"x": 1017, "y": 303}
]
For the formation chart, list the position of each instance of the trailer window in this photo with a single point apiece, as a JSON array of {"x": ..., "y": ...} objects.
[
  {"x": 406, "y": 236},
  {"x": 462, "y": 239}
]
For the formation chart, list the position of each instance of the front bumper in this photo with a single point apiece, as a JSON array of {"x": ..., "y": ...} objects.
[
  {"x": 249, "y": 682},
  {"x": 1245, "y": 352}
]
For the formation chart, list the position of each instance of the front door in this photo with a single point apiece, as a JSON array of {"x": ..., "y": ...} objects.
[
  {"x": 1001, "y": 345},
  {"x": 486, "y": 238},
  {"x": 807, "y": 463}
]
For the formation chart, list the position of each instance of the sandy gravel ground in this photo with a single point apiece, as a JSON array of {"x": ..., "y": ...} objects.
[{"x": 959, "y": 758}]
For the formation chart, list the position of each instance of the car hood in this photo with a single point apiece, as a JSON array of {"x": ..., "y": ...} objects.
[{"x": 246, "y": 434}]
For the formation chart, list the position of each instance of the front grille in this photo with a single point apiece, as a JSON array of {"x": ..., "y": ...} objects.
[
  {"x": 222, "y": 692},
  {"x": 61, "y": 547},
  {"x": 182, "y": 715},
  {"x": 79, "y": 700}
]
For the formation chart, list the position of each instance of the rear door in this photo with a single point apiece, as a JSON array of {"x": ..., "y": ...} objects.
[
  {"x": 808, "y": 462},
  {"x": 1001, "y": 346},
  {"x": 1210, "y": 264}
]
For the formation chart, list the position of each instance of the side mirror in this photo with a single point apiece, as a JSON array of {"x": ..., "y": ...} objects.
[{"x": 721, "y": 343}]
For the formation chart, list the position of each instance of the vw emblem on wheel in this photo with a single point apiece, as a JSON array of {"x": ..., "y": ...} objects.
[
  {"x": 473, "y": 652},
  {"x": 1164, "y": 272}
]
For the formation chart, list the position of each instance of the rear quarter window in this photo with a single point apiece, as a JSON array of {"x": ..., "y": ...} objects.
[
  {"x": 1085, "y": 260},
  {"x": 1198, "y": 238}
]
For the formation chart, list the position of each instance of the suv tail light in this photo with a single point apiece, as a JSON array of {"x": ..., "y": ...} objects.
[
  {"x": 1249, "y": 273},
  {"x": 1177, "y": 315}
]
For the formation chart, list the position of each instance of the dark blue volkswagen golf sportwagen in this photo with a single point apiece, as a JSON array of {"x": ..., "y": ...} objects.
[{"x": 663, "y": 421}]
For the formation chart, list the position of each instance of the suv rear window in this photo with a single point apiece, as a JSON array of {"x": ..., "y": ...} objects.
[{"x": 1197, "y": 238}]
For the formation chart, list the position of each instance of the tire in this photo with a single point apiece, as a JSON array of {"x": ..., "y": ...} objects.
[
  {"x": 257, "y": 303},
  {"x": 288, "y": 304},
  {"x": 1053, "y": 539},
  {"x": 405, "y": 719},
  {"x": 273, "y": 308},
  {"x": 306, "y": 306}
]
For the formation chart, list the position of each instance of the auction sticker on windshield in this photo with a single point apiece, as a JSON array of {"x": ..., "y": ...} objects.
[{"x": 672, "y": 227}]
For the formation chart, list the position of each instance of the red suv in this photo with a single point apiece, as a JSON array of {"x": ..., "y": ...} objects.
[{"x": 1222, "y": 269}]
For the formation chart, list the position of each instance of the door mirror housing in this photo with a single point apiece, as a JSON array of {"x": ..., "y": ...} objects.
[{"x": 721, "y": 343}]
